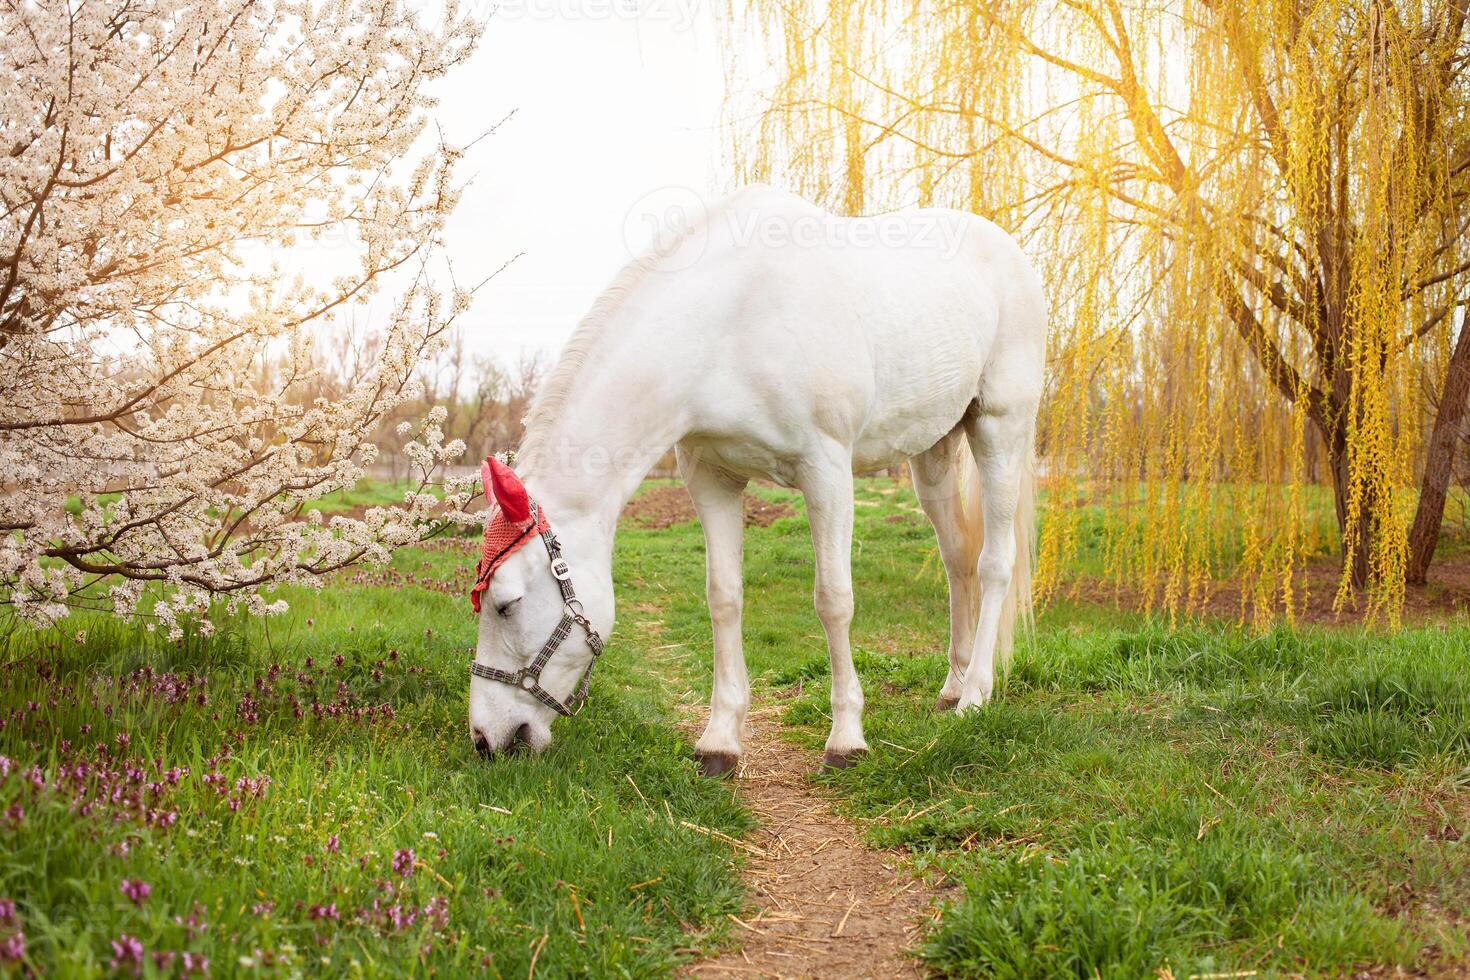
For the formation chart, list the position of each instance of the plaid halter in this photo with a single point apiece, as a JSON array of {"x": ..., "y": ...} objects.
[{"x": 503, "y": 538}]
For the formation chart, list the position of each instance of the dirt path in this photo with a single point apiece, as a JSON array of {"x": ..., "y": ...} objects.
[{"x": 828, "y": 907}]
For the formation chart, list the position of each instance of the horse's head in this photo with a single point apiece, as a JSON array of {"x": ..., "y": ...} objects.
[{"x": 545, "y": 605}]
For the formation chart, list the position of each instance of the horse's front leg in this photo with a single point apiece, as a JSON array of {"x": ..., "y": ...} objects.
[
  {"x": 717, "y": 500},
  {"x": 829, "y": 507}
]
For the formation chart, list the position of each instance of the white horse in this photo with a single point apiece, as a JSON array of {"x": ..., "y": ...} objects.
[{"x": 775, "y": 340}]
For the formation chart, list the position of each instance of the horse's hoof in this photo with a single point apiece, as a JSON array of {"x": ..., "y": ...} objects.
[
  {"x": 945, "y": 704},
  {"x": 842, "y": 760},
  {"x": 965, "y": 710},
  {"x": 717, "y": 765}
]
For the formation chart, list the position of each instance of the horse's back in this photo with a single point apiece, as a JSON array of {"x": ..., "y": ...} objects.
[
  {"x": 876, "y": 332},
  {"x": 922, "y": 284}
]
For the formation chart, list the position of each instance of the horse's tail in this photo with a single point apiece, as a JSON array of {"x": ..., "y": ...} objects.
[{"x": 1017, "y": 603}]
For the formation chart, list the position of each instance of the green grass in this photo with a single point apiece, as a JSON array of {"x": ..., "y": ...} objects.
[
  {"x": 1137, "y": 797},
  {"x": 577, "y": 857},
  {"x": 1197, "y": 799},
  {"x": 369, "y": 492}
]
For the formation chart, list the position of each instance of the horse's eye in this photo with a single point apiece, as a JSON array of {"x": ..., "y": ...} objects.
[{"x": 505, "y": 608}]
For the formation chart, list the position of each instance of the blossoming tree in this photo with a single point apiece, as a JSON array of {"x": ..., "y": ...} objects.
[{"x": 158, "y": 434}]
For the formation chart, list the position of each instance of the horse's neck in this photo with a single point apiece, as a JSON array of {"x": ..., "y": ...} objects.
[{"x": 618, "y": 419}]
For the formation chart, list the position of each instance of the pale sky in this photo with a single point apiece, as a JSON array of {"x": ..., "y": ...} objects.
[{"x": 617, "y": 112}]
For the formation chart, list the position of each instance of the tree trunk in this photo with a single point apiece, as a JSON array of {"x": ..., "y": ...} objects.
[
  {"x": 1439, "y": 460},
  {"x": 1354, "y": 547}
]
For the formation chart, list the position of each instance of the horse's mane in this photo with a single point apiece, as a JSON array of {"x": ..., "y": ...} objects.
[{"x": 553, "y": 393}]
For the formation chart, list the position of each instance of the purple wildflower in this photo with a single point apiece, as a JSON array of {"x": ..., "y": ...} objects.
[
  {"x": 136, "y": 891},
  {"x": 126, "y": 951},
  {"x": 403, "y": 861},
  {"x": 14, "y": 947},
  {"x": 194, "y": 925},
  {"x": 438, "y": 911}
]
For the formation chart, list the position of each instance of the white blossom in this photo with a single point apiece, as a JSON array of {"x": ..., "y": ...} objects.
[{"x": 155, "y": 377}]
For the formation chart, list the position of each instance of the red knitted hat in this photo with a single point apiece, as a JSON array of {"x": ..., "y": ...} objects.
[{"x": 509, "y": 527}]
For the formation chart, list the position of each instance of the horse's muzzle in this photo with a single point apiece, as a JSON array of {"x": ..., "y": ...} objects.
[{"x": 522, "y": 739}]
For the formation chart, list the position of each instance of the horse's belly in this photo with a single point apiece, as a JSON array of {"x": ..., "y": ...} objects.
[
  {"x": 751, "y": 459},
  {"x": 920, "y": 397},
  {"x": 890, "y": 440},
  {"x": 883, "y": 451},
  {"x": 777, "y": 443},
  {"x": 883, "y": 409}
]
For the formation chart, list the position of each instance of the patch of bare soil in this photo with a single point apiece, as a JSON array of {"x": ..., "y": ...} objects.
[
  {"x": 1447, "y": 595},
  {"x": 664, "y": 506},
  {"x": 828, "y": 907}
]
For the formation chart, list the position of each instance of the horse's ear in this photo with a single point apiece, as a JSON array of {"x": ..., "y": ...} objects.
[{"x": 507, "y": 489}]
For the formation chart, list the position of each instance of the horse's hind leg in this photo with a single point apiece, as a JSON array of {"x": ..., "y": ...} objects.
[
  {"x": 827, "y": 485},
  {"x": 939, "y": 482},
  {"x": 1001, "y": 443},
  {"x": 717, "y": 501}
]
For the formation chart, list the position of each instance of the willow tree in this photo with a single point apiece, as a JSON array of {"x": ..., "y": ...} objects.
[{"x": 1252, "y": 230}]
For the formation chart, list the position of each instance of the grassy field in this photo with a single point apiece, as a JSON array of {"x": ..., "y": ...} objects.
[
  {"x": 302, "y": 797},
  {"x": 1199, "y": 800},
  {"x": 1202, "y": 799}
]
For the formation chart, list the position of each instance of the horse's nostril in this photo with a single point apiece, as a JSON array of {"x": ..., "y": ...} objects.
[
  {"x": 523, "y": 736},
  {"x": 482, "y": 746}
]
